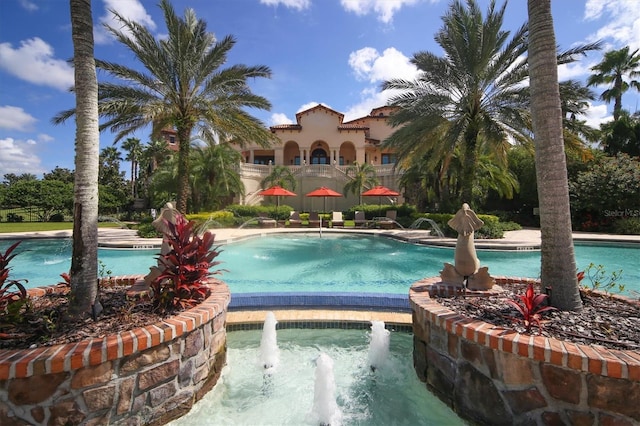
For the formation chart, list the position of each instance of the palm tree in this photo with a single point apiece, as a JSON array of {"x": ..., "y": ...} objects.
[
  {"x": 558, "y": 265},
  {"x": 134, "y": 151},
  {"x": 362, "y": 175},
  {"x": 282, "y": 176},
  {"x": 615, "y": 65},
  {"x": 215, "y": 175},
  {"x": 84, "y": 261},
  {"x": 182, "y": 87},
  {"x": 474, "y": 92}
]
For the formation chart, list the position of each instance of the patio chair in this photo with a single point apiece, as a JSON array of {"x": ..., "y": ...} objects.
[
  {"x": 314, "y": 219},
  {"x": 336, "y": 220},
  {"x": 389, "y": 221},
  {"x": 360, "y": 220},
  {"x": 294, "y": 219},
  {"x": 265, "y": 221}
]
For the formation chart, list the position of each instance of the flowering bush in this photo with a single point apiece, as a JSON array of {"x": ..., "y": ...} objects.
[
  {"x": 530, "y": 306},
  {"x": 186, "y": 267}
]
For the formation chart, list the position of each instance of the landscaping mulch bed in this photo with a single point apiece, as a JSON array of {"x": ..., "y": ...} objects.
[
  {"x": 604, "y": 320},
  {"x": 44, "y": 323}
]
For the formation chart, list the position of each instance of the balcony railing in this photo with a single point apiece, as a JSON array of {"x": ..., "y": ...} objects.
[{"x": 311, "y": 170}]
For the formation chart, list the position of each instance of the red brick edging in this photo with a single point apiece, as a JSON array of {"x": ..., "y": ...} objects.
[
  {"x": 530, "y": 376},
  {"x": 152, "y": 374}
]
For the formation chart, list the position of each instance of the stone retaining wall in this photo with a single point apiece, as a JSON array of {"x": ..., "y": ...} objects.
[
  {"x": 147, "y": 376},
  {"x": 495, "y": 376}
]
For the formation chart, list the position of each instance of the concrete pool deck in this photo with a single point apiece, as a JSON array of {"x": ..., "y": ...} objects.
[{"x": 525, "y": 239}]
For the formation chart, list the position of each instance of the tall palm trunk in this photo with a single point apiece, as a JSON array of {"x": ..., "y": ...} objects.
[
  {"x": 558, "y": 269},
  {"x": 184, "y": 143},
  {"x": 84, "y": 261}
]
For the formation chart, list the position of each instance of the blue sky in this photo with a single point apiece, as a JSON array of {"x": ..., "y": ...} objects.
[{"x": 334, "y": 52}]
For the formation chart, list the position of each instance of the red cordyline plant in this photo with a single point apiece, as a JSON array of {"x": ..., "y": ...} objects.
[
  {"x": 530, "y": 305},
  {"x": 11, "y": 301},
  {"x": 183, "y": 283}
]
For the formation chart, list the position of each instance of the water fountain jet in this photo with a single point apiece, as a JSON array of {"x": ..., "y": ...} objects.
[
  {"x": 325, "y": 408},
  {"x": 379, "y": 345},
  {"x": 269, "y": 352}
]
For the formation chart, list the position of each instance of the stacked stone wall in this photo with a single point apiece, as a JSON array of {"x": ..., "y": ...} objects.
[
  {"x": 495, "y": 376},
  {"x": 149, "y": 375}
]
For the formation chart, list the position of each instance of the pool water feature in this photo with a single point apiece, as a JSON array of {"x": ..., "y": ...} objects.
[
  {"x": 390, "y": 395},
  {"x": 308, "y": 263}
]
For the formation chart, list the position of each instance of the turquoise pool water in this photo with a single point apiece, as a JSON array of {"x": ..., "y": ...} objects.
[
  {"x": 393, "y": 395},
  {"x": 333, "y": 263}
]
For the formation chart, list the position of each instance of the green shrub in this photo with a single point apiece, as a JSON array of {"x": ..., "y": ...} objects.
[
  {"x": 627, "y": 226},
  {"x": 57, "y": 217},
  {"x": 147, "y": 230}
]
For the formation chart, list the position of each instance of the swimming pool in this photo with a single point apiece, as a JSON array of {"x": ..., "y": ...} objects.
[{"x": 308, "y": 263}]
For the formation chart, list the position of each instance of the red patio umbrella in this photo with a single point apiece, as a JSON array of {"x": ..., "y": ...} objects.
[
  {"x": 276, "y": 191},
  {"x": 380, "y": 191},
  {"x": 324, "y": 192}
]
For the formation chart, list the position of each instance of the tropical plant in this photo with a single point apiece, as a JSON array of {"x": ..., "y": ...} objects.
[
  {"x": 474, "y": 94},
  {"x": 84, "y": 259},
  {"x": 215, "y": 178},
  {"x": 185, "y": 267},
  {"x": 530, "y": 306},
  {"x": 281, "y": 176},
  {"x": 134, "y": 152},
  {"x": 361, "y": 175},
  {"x": 11, "y": 302},
  {"x": 611, "y": 71},
  {"x": 600, "y": 280},
  {"x": 558, "y": 262},
  {"x": 182, "y": 87},
  {"x": 622, "y": 135}
]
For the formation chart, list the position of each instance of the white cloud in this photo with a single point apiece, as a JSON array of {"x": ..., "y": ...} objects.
[
  {"x": 596, "y": 115},
  {"x": 14, "y": 118},
  {"x": 34, "y": 62},
  {"x": 43, "y": 137},
  {"x": 131, "y": 10},
  {"x": 575, "y": 70},
  {"x": 292, "y": 4},
  {"x": 280, "y": 118},
  {"x": 29, "y": 5},
  {"x": 369, "y": 65},
  {"x": 385, "y": 9},
  {"x": 19, "y": 157},
  {"x": 621, "y": 18},
  {"x": 309, "y": 105}
]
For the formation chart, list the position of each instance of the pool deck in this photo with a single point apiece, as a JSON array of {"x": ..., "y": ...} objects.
[{"x": 526, "y": 239}]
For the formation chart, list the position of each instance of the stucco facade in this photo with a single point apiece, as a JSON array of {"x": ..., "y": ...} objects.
[{"x": 319, "y": 148}]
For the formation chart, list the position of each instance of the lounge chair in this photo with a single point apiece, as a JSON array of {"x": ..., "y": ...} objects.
[
  {"x": 389, "y": 221},
  {"x": 265, "y": 221},
  {"x": 314, "y": 219},
  {"x": 336, "y": 220},
  {"x": 294, "y": 220},
  {"x": 360, "y": 220}
]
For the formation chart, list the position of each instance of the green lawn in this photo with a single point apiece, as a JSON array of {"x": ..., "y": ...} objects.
[{"x": 44, "y": 226}]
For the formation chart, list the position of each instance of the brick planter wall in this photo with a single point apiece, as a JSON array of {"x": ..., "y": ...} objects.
[
  {"x": 490, "y": 375},
  {"x": 149, "y": 375}
]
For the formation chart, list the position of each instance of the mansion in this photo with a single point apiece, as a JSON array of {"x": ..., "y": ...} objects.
[{"x": 319, "y": 148}]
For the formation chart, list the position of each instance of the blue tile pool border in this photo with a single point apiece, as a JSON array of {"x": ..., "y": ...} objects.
[{"x": 386, "y": 302}]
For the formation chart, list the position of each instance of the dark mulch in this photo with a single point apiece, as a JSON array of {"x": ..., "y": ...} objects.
[
  {"x": 44, "y": 324},
  {"x": 604, "y": 320}
]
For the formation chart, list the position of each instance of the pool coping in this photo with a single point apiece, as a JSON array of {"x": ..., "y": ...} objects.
[{"x": 521, "y": 240}]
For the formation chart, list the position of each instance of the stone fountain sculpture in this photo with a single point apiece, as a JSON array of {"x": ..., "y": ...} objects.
[
  {"x": 466, "y": 271},
  {"x": 167, "y": 214}
]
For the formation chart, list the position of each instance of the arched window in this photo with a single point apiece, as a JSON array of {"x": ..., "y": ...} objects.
[{"x": 319, "y": 156}]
